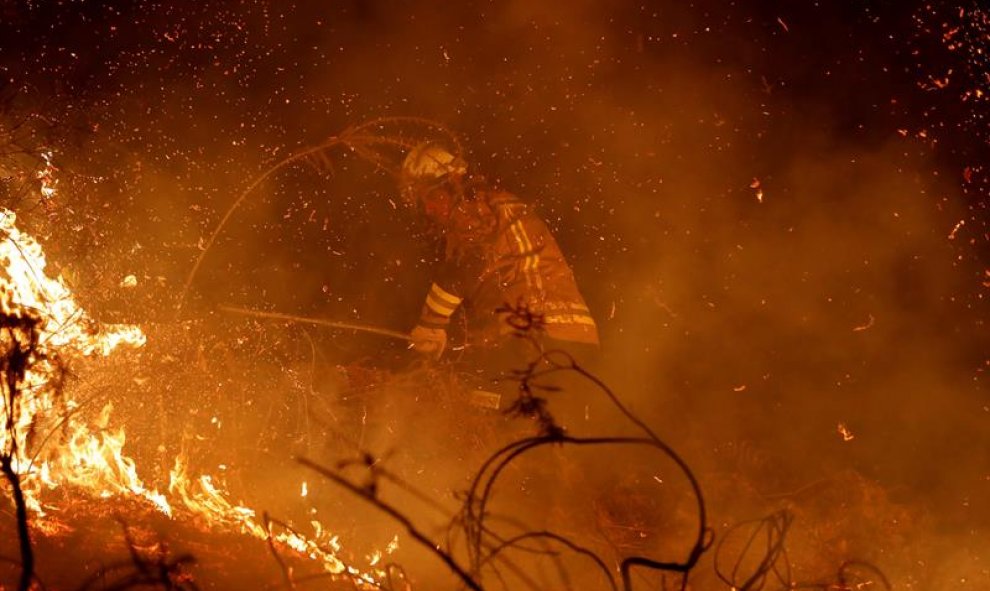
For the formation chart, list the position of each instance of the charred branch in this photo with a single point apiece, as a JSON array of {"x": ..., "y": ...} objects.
[{"x": 19, "y": 338}]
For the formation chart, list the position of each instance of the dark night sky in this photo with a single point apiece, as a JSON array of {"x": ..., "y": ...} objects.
[{"x": 206, "y": 95}]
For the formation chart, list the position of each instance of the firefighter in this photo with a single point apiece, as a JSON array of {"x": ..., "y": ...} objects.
[{"x": 499, "y": 259}]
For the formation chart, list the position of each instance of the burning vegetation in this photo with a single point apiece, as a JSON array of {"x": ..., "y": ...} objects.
[
  {"x": 494, "y": 295},
  {"x": 52, "y": 441}
]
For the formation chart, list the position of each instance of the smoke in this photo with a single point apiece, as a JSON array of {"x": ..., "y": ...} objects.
[{"x": 774, "y": 268}]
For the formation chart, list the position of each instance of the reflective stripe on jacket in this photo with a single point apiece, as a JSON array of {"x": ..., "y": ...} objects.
[{"x": 498, "y": 252}]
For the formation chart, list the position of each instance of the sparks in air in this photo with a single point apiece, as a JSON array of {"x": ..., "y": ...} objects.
[
  {"x": 91, "y": 460},
  {"x": 47, "y": 176}
]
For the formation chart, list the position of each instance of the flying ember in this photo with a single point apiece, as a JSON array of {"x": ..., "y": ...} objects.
[{"x": 89, "y": 458}]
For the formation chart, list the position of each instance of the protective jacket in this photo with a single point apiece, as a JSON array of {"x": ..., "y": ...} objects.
[{"x": 497, "y": 253}]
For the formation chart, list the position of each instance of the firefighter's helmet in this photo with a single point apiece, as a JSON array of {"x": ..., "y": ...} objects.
[{"x": 430, "y": 162}]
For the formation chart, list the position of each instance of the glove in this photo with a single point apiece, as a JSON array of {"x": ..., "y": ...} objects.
[{"x": 429, "y": 341}]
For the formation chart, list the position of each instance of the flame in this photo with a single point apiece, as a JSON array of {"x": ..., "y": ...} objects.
[
  {"x": 47, "y": 176},
  {"x": 64, "y": 331},
  {"x": 91, "y": 457}
]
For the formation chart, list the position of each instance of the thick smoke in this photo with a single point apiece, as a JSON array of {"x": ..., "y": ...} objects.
[{"x": 780, "y": 274}]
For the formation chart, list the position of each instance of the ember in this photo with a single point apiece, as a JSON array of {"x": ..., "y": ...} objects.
[
  {"x": 91, "y": 458},
  {"x": 508, "y": 294}
]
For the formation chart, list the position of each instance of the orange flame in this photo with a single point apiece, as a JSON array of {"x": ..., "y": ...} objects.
[{"x": 91, "y": 458}]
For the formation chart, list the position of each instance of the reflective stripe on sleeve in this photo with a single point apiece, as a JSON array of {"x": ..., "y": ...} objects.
[
  {"x": 569, "y": 319},
  {"x": 445, "y": 296},
  {"x": 531, "y": 257},
  {"x": 442, "y": 302}
]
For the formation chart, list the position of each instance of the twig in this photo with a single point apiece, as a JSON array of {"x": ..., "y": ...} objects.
[
  {"x": 776, "y": 527},
  {"x": 237, "y": 202},
  {"x": 360, "y": 139},
  {"x": 23, "y": 532},
  {"x": 37, "y": 579},
  {"x": 394, "y": 513},
  {"x": 22, "y": 344},
  {"x": 286, "y": 573},
  {"x": 511, "y": 542},
  {"x": 145, "y": 572}
]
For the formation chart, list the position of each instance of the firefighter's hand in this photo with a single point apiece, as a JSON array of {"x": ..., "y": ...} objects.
[{"x": 429, "y": 341}]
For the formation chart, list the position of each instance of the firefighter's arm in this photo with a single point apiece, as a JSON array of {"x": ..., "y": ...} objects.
[{"x": 430, "y": 335}]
